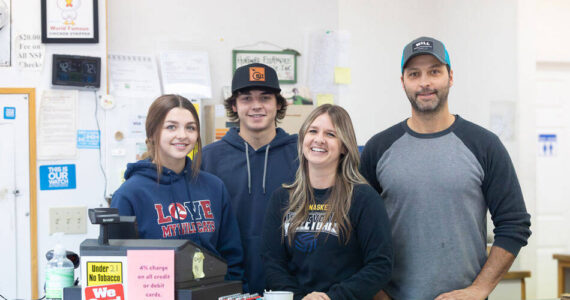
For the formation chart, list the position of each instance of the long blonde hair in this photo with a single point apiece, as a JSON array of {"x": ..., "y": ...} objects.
[
  {"x": 154, "y": 121},
  {"x": 347, "y": 175}
]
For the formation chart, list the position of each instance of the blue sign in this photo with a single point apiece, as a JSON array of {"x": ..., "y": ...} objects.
[
  {"x": 547, "y": 144},
  {"x": 9, "y": 113},
  {"x": 57, "y": 177},
  {"x": 88, "y": 139}
]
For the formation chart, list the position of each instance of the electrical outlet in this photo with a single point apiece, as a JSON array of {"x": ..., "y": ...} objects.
[{"x": 69, "y": 220}]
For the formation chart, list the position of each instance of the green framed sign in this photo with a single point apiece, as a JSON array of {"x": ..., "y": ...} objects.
[{"x": 284, "y": 62}]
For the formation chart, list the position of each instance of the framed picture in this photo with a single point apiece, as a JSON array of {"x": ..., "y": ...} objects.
[
  {"x": 70, "y": 21},
  {"x": 284, "y": 62},
  {"x": 5, "y": 34}
]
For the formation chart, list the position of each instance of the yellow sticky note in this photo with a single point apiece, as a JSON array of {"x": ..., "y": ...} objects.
[
  {"x": 342, "y": 75},
  {"x": 324, "y": 99},
  {"x": 197, "y": 107}
]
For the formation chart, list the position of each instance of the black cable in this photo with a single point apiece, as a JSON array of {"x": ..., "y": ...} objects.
[{"x": 100, "y": 145}]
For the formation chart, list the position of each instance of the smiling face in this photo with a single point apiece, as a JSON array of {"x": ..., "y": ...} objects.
[
  {"x": 256, "y": 110},
  {"x": 178, "y": 136},
  {"x": 321, "y": 146},
  {"x": 426, "y": 82}
]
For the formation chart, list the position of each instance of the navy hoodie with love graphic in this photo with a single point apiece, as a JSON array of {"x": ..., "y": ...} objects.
[
  {"x": 251, "y": 176},
  {"x": 178, "y": 206}
]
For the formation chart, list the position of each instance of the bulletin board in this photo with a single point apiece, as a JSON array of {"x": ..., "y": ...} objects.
[
  {"x": 284, "y": 62},
  {"x": 31, "y": 96}
]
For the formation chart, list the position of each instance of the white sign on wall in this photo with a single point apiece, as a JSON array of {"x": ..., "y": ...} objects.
[{"x": 547, "y": 144}]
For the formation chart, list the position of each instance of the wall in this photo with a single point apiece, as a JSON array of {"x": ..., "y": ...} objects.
[
  {"x": 526, "y": 164},
  {"x": 217, "y": 27},
  {"x": 89, "y": 192}
]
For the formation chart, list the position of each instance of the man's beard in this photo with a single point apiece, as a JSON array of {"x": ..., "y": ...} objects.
[{"x": 418, "y": 106}]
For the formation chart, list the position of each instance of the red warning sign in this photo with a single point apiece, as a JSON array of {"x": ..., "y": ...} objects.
[{"x": 105, "y": 292}]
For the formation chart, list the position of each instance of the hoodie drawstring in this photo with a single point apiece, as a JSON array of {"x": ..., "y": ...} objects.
[
  {"x": 248, "y": 167},
  {"x": 248, "y": 172},
  {"x": 265, "y": 167}
]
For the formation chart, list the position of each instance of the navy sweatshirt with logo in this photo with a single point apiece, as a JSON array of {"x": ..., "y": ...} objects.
[
  {"x": 251, "y": 176},
  {"x": 321, "y": 262},
  {"x": 181, "y": 207}
]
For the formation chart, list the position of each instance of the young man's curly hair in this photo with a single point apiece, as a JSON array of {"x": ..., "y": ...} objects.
[{"x": 231, "y": 101}]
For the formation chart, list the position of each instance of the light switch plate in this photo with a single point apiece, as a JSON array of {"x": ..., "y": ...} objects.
[{"x": 69, "y": 220}]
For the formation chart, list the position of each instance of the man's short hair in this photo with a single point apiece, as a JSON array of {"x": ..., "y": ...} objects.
[{"x": 231, "y": 101}]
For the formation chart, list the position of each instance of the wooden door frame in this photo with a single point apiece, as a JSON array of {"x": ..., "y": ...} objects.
[{"x": 31, "y": 92}]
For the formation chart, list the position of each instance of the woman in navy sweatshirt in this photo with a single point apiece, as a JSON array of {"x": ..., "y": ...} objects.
[
  {"x": 327, "y": 236},
  {"x": 170, "y": 196}
]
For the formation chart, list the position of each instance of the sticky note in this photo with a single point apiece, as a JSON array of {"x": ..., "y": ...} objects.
[
  {"x": 342, "y": 75},
  {"x": 324, "y": 99},
  {"x": 9, "y": 113},
  {"x": 197, "y": 107}
]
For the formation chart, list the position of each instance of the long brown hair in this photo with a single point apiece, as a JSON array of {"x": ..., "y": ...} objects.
[
  {"x": 347, "y": 175},
  {"x": 155, "y": 120}
]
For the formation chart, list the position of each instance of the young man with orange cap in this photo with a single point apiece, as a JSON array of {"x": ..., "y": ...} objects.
[{"x": 253, "y": 159}]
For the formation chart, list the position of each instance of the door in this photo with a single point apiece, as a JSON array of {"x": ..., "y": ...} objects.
[
  {"x": 8, "y": 282},
  {"x": 552, "y": 220},
  {"x": 18, "y": 216}
]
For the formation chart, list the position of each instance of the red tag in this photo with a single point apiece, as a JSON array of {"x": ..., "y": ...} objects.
[{"x": 105, "y": 292}]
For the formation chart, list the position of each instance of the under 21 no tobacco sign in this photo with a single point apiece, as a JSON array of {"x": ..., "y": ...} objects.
[{"x": 57, "y": 177}]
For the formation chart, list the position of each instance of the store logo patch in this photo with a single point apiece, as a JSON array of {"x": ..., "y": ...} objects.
[
  {"x": 256, "y": 74},
  {"x": 422, "y": 46}
]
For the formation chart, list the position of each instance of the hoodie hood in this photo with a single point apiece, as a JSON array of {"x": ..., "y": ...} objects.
[{"x": 147, "y": 169}]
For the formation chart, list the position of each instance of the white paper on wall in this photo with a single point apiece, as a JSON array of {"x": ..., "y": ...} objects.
[
  {"x": 186, "y": 73},
  {"x": 133, "y": 76},
  {"x": 57, "y": 126}
]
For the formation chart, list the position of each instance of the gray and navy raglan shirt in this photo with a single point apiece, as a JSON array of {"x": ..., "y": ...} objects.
[{"x": 437, "y": 189}]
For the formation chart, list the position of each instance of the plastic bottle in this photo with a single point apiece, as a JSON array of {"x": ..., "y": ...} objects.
[{"x": 59, "y": 274}]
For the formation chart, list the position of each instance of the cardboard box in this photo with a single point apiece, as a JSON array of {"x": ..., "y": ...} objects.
[{"x": 294, "y": 118}]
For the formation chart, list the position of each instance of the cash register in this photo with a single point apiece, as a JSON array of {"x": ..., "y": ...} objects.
[{"x": 117, "y": 235}]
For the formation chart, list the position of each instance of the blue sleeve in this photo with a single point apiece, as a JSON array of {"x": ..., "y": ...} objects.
[
  {"x": 274, "y": 250},
  {"x": 372, "y": 229},
  {"x": 123, "y": 204},
  {"x": 229, "y": 242}
]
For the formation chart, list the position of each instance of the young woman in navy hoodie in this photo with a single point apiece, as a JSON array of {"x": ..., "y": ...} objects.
[
  {"x": 326, "y": 236},
  {"x": 170, "y": 196}
]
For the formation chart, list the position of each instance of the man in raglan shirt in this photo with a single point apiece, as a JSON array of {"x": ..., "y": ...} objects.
[
  {"x": 438, "y": 174},
  {"x": 253, "y": 159}
]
